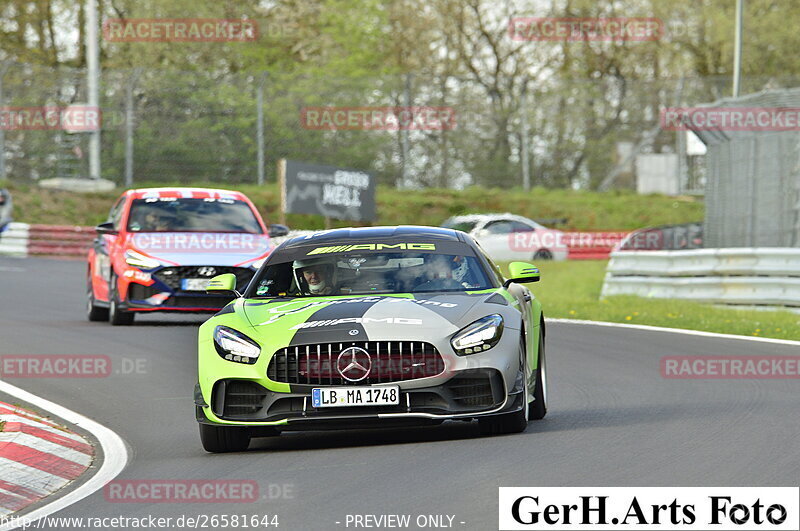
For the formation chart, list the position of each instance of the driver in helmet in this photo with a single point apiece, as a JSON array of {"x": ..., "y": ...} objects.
[
  {"x": 157, "y": 222},
  {"x": 315, "y": 276},
  {"x": 445, "y": 267},
  {"x": 445, "y": 272}
]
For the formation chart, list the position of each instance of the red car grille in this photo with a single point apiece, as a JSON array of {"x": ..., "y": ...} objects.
[{"x": 389, "y": 361}]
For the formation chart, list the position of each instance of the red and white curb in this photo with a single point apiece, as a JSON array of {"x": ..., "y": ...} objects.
[
  {"x": 37, "y": 458},
  {"x": 65, "y": 241}
]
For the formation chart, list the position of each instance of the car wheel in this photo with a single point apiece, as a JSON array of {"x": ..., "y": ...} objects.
[
  {"x": 116, "y": 315},
  {"x": 543, "y": 254},
  {"x": 221, "y": 439},
  {"x": 93, "y": 312},
  {"x": 538, "y": 408},
  {"x": 515, "y": 422}
]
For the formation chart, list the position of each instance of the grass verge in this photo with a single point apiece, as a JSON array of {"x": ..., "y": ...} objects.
[
  {"x": 615, "y": 210},
  {"x": 571, "y": 290}
]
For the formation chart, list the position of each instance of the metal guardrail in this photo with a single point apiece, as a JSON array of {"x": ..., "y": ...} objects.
[{"x": 745, "y": 276}]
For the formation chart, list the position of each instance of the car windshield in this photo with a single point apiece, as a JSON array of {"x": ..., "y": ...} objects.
[
  {"x": 463, "y": 226},
  {"x": 170, "y": 214},
  {"x": 370, "y": 273}
]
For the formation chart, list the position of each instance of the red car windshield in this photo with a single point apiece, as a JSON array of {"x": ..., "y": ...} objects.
[{"x": 171, "y": 214}]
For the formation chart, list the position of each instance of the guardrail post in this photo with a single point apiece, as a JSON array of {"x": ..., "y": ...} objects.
[
  {"x": 526, "y": 168},
  {"x": 129, "y": 119},
  {"x": 260, "y": 126}
]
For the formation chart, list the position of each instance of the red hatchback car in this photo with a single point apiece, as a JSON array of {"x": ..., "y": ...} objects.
[{"x": 161, "y": 246}]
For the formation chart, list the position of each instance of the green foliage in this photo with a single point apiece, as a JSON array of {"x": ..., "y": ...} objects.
[{"x": 196, "y": 100}]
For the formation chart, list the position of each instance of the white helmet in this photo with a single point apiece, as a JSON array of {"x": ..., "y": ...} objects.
[
  {"x": 328, "y": 280},
  {"x": 448, "y": 267}
]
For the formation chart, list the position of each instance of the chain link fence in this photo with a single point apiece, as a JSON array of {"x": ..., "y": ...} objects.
[{"x": 162, "y": 126}]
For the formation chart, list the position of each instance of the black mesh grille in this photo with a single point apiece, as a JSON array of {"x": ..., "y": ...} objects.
[
  {"x": 471, "y": 391},
  {"x": 238, "y": 398},
  {"x": 171, "y": 276},
  {"x": 139, "y": 292},
  {"x": 390, "y": 361}
]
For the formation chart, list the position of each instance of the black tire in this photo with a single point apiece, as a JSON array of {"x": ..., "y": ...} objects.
[
  {"x": 116, "y": 315},
  {"x": 543, "y": 254},
  {"x": 93, "y": 312},
  {"x": 514, "y": 422},
  {"x": 222, "y": 439},
  {"x": 538, "y": 408}
]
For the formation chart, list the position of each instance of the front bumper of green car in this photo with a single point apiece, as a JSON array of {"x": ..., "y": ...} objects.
[{"x": 468, "y": 387}]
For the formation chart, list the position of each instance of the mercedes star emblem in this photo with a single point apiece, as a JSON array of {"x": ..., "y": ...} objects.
[{"x": 354, "y": 364}]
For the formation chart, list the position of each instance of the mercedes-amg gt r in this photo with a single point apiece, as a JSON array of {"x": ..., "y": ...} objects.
[{"x": 372, "y": 327}]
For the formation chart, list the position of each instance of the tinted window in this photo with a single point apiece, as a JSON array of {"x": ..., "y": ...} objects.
[
  {"x": 499, "y": 227},
  {"x": 115, "y": 215},
  {"x": 360, "y": 273},
  {"x": 518, "y": 226},
  {"x": 464, "y": 226},
  {"x": 508, "y": 226},
  {"x": 495, "y": 269},
  {"x": 162, "y": 214}
]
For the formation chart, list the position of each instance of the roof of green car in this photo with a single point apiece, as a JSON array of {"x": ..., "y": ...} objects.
[{"x": 402, "y": 232}]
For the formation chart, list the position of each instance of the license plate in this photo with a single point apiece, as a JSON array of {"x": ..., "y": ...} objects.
[
  {"x": 195, "y": 284},
  {"x": 355, "y": 396}
]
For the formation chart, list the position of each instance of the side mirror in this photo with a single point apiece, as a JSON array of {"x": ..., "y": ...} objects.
[
  {"x": 223, "y": 284},
  {"x": 521, "y": 272},
  {"x": 276, "y": 230},
  {"x": 106, "y": 228}
]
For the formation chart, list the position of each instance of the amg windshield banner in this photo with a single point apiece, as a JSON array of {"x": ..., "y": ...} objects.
[
  {"x": 650, "y": 508},
  {"x": 337, "y": 193}
]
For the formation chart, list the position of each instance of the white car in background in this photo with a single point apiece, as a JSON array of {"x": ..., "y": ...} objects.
[{"x": 508, "y": 237}]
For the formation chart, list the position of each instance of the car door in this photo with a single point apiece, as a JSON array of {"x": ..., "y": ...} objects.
[
  {"x": 104, "y": 247},
  {"x": 508, "y": 239}
]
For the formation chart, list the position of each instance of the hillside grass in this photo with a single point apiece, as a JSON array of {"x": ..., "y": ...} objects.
[
  {"x": 571, "y": 290},
  {"x": 616, "y": 210}
]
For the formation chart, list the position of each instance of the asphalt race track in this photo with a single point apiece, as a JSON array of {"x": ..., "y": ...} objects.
[{"x": 613, "y": 421}]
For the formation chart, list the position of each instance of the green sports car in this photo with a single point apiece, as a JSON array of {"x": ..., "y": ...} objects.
[{"x": 372, "y": 327}]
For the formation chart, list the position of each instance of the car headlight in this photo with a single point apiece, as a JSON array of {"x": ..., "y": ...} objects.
[
  {"x": 139, "y": 260},
  {"x": 233, "y": 345},
  {"x": 481, "y": 335}
]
